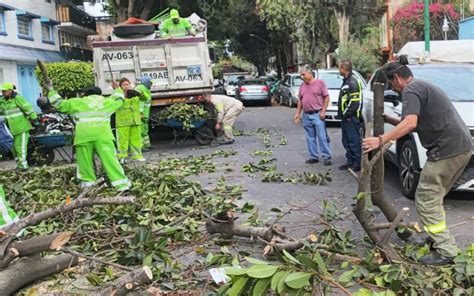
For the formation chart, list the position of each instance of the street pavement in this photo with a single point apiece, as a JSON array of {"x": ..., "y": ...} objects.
[{"x": 305, "y": 200}]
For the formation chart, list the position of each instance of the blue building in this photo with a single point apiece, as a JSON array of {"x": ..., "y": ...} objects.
[{"x": 466, "y": 28}]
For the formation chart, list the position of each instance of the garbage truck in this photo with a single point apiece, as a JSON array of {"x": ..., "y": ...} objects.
[{"x": 180, "y": 67}]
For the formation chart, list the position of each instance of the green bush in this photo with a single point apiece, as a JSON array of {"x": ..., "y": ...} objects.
[
  {"x": 365, "y": 54},
  {"x": 68, "y": 78}
]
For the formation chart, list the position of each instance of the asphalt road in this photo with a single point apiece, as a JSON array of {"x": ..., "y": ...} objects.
[
  {"x": 306, "y": 200},
  {"x": 291, "y": 158}
]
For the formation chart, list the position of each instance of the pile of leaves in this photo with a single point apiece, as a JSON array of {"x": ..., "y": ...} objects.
[
  {"x": 169, "y": 214},
  {"x": 187, "y": 115}
]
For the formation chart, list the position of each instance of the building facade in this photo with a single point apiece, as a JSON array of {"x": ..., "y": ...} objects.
[{"x": 28, "y": 31}]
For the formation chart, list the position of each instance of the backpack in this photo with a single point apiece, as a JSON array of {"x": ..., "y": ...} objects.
[{"x": 6, "y": 139}]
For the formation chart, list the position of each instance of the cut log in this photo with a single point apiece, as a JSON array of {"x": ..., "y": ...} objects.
[
  {"x": 229, "y": 229},
  {"x": 27, "y": 270},
  {"x": 126, "y": 283},
  {"x": 34, "y": 219},
  {"x": 34, "y": 245}
]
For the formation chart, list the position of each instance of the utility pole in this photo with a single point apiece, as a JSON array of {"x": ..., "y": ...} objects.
[{"x": 426, "y": 13}]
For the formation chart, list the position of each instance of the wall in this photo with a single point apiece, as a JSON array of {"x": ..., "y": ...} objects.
[
  {"x": 40, "y": 7},
  {"x": 466, "y": 29}
]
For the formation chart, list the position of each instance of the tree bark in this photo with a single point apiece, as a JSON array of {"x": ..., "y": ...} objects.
[
  {"x": 41, "y": 243},
  {"x": 228, "y": 230},
  {"x": 378, "y": 197},
  {"x": 27, "y": 270},
  {"x": 126, "y": 283},
  {"x": 343, "y": 21}
]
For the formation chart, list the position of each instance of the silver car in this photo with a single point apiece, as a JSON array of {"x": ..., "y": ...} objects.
[
  {"x": 287, "y": 93},
  {"x": 254, "y": 91}
]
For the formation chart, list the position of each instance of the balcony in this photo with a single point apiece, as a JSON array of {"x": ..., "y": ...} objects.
[
  {"x": 75, "y": 21},
  {"x": 76, "y": 54}
]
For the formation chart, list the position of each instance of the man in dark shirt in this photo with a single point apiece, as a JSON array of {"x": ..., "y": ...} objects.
[
  {"x": 428, "y": 111},
  {"x": 349, "y": 106}
]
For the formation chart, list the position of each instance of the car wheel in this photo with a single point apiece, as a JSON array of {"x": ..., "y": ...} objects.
[
  {"x": 292, "y": 103},
  {"x": 408, "y": 168}
]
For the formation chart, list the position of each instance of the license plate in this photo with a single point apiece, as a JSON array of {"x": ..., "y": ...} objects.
[{"x": 194, "y": 70}]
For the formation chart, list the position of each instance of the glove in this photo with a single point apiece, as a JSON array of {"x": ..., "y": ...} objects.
[{"x": 131, "y": 93}]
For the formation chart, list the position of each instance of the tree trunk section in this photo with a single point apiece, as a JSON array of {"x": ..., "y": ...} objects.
[
  {"x": 27, "y": 270},
  {"x": 126, "y": 283},
  {"x": 344, "y": 22},
  {"x": 41, "y": 243},
  {"x": 378, "y": 197}
]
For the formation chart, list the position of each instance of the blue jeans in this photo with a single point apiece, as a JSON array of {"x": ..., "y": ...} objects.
[
  {"x": 315, "y": 130},
  {"x": 351, "y": 140}
]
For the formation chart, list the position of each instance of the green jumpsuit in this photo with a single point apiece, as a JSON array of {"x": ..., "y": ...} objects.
[
  {"x": 17, "y": 113},
  {"x": 7, "y": 214},
  {"x": 128, "y": 129},
  {"x": 145, "y": 106},
  {"x": 93, "y": 135},
  {"x": 181, "y": 29}
]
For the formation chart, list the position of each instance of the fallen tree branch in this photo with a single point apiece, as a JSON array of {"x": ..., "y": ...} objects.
[
  {"x": 229, "y": 229},
  {"x": 126, "y": 283},
  {"x": 28, "y": 269},
  {"x": 395, "y": 223},
  {"x": 77, "y": 254},
  {"x": 34, "y": 219}
]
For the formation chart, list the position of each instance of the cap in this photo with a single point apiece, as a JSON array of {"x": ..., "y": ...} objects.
[{"x": 7, "y": 86}]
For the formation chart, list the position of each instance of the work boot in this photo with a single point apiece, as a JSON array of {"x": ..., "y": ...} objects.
[
  {"x": 355, "y": 168},
  {"x": 312, "y": 160},
  {"x": 436, "y": 259},
  {"x": 226, "y": 142},
  {"x": 327, "y": 162},
  {"x": 420, "y": 241},
  {"x": 344, "y": 167}
]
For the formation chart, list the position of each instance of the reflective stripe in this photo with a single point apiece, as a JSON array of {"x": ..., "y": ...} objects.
[
  {"x": 219, "y": 107},
  {"x": 121, "y": 182},
  {"x": 12, "y": 111},
  {"x": 436, "y": 228},
  {"x": 92, "y": 114},
  {"x": 14, "y": 115},
  {"x": 55, "y": 97},
  {"x": 92, "y": 119}
]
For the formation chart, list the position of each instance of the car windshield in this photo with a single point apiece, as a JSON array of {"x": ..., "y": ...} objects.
[
  {"x": 297, "y": 81},
  {"x": 333, "y": 80},
  {"x": 456, "y": 82}
]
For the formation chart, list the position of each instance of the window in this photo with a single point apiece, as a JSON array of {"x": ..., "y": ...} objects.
[
  {"x": 24, "y": 27},
  {"x": 47, "y": 33},
  {"x": 3, "y": 31}
]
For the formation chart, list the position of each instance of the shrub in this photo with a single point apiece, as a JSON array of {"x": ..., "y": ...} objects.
[{"x": 68, "y": 78}]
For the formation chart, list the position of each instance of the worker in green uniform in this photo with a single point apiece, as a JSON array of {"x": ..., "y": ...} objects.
[
  {"x": 93, "y": 134},
  {"x": 7, "y": 214},
  {"x": 176, "y": 26},
  {"x": 128, "y": 124},
  {"x": 143, "y": 87},
  {"x": 17, "y": 113}
]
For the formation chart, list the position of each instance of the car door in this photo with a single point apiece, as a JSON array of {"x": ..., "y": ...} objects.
[{"x": 285, "y": 89}]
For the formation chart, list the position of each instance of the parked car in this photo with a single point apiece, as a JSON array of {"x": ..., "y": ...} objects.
[
  {"x": 333, "y": 81},
  {"x": 270, "y": 80},
  {"x": 457, "y": 80},
  {"x": 230, "y": 84},
  {"x": 254, "y": 91},
  {"x": 287, "y": 93}
]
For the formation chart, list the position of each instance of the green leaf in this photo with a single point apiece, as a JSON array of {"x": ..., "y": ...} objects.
[
  {"x": 261, "y": 287},
  {"x": 379, "y": 281},
  {"x": 261, "y": 271},
  {"x": 308, "y": 262},
  {"x": 360, "y": 195},
  {"x": 147, "y": 261},
  {"x": 235, "y": 271},
  {"x": 363, "y": 292},
  {"x": 281, "y": 284},
  {"x": 277, "y": 277},
  {"x": 346, "y": 277},
  {"x": 321, "y": 264},
  {"x": 297, "y": 280},
  {"x": 289, "y": 256},
  {"x": 255, "y": 261},
  {"x": 239, "y": 286}
]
